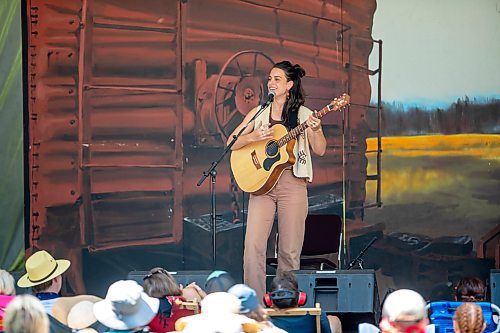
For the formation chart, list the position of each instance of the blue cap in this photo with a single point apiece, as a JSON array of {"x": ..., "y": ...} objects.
[
  {"x": 247, "y": 297},
  {"x": 218, "y": 281}
]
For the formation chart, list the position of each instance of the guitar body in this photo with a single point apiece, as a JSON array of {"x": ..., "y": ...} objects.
[{"x": 258, "y": 166}]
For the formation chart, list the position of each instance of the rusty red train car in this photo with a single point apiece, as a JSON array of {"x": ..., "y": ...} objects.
[{"x": 128, "y": 102}]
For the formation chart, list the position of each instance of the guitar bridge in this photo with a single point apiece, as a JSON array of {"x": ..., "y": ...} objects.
[{"x": 255, "y": 160}]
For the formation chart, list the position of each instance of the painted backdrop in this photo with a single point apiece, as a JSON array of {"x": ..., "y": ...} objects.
[{"x": 127, "y": 105}]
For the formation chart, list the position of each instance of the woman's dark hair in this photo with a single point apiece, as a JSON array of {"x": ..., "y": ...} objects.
[
  {"x": 285, "y": 284},
  {"x": 470, "y": 289},
  {"x": 160, "y": 283},
  {"x": 296, "y": 97}
]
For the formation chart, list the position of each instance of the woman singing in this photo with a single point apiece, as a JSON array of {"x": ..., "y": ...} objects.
[{"x": 289, "y": 195}]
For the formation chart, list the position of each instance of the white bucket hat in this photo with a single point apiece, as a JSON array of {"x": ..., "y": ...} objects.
[
  {"x": 219, "y": 313},
  {"x": 126, "y": 306}
]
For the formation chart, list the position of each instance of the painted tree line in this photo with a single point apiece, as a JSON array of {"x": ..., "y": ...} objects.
[{"x": 463, "y": 116}]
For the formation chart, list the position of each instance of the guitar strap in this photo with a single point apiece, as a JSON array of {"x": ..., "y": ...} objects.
[{"x": 303, "y": 164}]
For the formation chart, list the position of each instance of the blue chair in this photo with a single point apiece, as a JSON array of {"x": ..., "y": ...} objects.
[
  {"x": 305, "y": 317},
  {"x": 441, "y": 314}
]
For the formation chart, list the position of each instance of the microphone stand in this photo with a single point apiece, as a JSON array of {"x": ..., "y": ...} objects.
[
  {"x": 342, "y": 256},
  {"x": 212, "y": 172},
  {"x": 358, "y": 258}
]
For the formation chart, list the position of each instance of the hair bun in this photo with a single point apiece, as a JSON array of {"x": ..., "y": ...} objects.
[{"x": 299, "y": 70}]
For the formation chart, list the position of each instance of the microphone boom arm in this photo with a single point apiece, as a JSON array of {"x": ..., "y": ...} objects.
[{"x": 358, "y": 257}]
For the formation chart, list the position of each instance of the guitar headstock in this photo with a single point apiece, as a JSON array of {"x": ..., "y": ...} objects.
[{"x": 339, "y": 102}]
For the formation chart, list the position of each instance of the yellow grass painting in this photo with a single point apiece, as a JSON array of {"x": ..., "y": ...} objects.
[{"x": 437, "y": 185}]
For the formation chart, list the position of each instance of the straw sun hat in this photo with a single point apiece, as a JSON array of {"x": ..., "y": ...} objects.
[
  {"x": 75, "y": 311},
  {"x": 42, "y": 267}
]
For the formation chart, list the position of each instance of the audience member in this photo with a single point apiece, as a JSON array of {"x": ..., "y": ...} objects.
[
  {"x": 404, "y": 311},
  {"x": 219, "y": 281},
  {"x": 250, "y": 307},
  {"x": 219, "y": 313},
  {"x": 284, "y": 294},
  {"x": 193, "y": 293},
  {"x": 26, "y": 314},
  {"x": 473, "y": 289},
  {"x": 43, "y": 275},
  {"x": 7, "y": 283},
  {"x": 81, "y": 318},
  {"x": 470, "y": 289},
  {"x": 159, "y": 283},
  {"x": 76, "y": 313},
  {"x": 7, "y": 293},
  {"x": 468, "y": 318},
  {"x": 126, "y": 307}
]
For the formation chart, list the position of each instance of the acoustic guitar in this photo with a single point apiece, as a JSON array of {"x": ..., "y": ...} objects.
[{"x": 258, "y": 166}]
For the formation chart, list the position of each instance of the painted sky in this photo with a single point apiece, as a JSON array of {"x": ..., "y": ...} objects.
[{"x": 437, "y": 51}]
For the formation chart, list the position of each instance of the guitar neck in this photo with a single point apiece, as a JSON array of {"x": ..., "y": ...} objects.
[{"x": 294, "y": 133}]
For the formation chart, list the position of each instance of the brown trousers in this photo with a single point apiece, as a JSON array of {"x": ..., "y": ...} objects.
[{"x": 289, "y": 198}]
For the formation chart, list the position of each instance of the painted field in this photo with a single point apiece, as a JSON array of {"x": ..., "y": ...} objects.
[{"x": 438, "y": 185}]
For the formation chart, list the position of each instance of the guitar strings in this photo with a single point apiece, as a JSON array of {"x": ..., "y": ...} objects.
[{"x": 302, "y": 127}]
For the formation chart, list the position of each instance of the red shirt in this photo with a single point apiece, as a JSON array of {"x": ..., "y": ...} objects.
[{"x": 168, "y": 313}]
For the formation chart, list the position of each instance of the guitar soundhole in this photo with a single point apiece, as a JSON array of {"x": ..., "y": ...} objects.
[{"x": 272, "y": 148}]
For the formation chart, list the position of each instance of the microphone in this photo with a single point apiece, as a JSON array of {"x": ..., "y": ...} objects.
[
  {"x": 270, "y": 98},
  {"x": 271, "y": 94}
]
